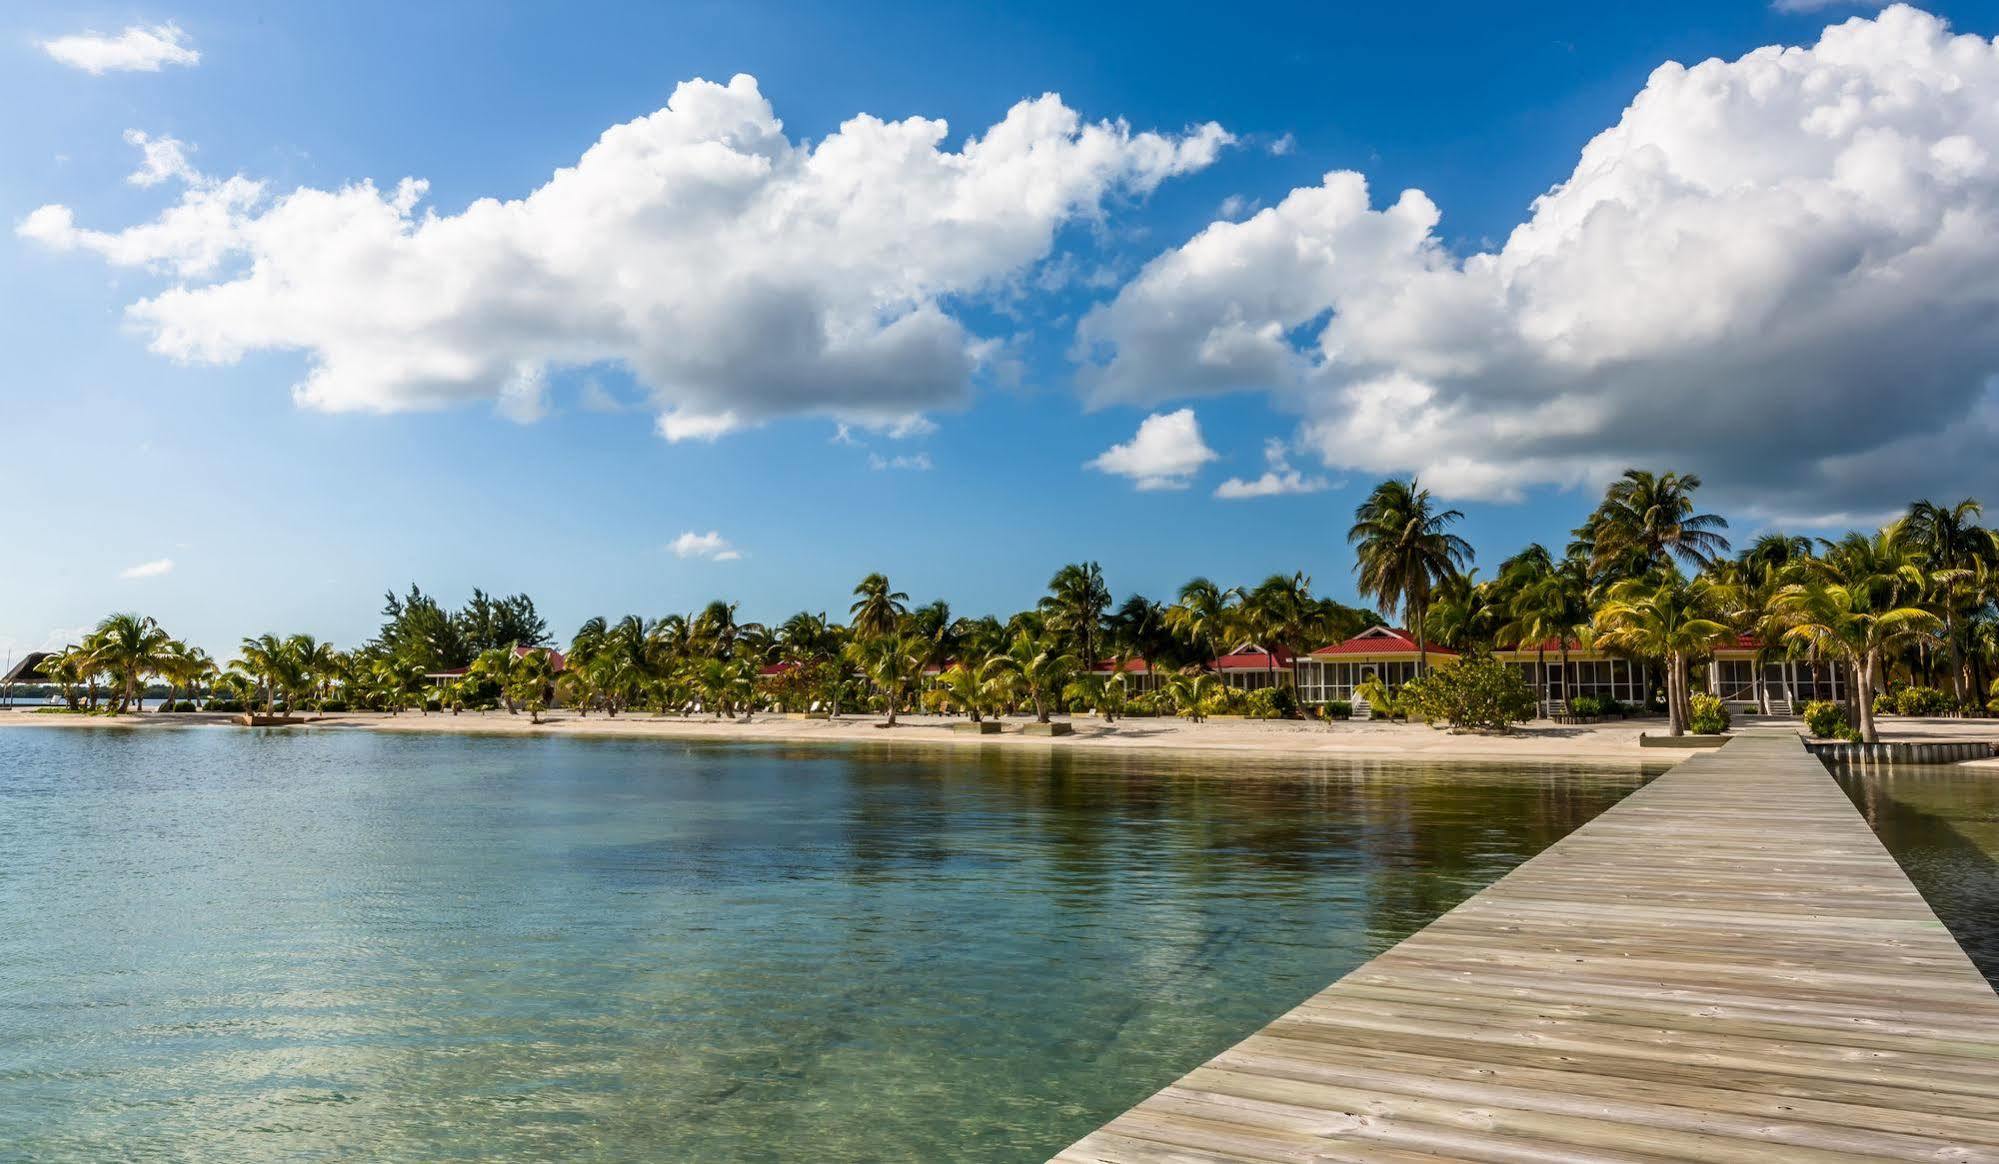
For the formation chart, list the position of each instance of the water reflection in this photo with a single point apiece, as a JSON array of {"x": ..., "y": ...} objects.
[
  {"x": 1942, "y": 824},
  {"x": 231, "y": 946}
]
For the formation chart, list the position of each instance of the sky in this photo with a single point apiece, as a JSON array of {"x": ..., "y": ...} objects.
[{"x": 631, "y": 306}]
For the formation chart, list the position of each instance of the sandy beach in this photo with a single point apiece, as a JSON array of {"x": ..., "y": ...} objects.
[
  {"x": 1616, "y": 741},
  {"x": 1539, "y": 741}
]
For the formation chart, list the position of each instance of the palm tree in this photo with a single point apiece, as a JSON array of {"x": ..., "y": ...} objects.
[
  {"x": 968, "y": 686},
  {"x": 268, "y": 661},
  {"x": 878, "y": 608},
  {"x": 318, "y": 664},
  {"x": 1042, "y": 667},
  {"x": 1854, "y": 604},
  {"x": 131, "y": 647},
  {"x": 1404, "y": 553},
  {"x": 1203, "y": 616},
  {"x": 1075, "y": 605},
  {"x": 500, "y": 666},
  {"x": 1280, "y": 614},
  {"x": 1953, "y": 546},
  {"x": 1666, "y": 617},
  {"x": 1550, "y": 600},
  {"x": 1647, "y": 520},
  {"x": 184, "y": 666},
  {"x": 894, "y": 660},
  {"x": 1192, "y": 690}
]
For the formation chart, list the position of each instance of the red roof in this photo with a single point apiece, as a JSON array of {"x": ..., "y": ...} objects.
[
  {"x": 1131, "y": 666},
  {"x": 776, "y": 669},
  {"x": 1380, "y": 640},
  {"x": 1253, "y": 659}
]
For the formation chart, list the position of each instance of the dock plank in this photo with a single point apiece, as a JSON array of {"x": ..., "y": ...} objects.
[{"x": 1725, "y": 966}]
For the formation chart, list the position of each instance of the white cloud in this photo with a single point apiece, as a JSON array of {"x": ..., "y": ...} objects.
[
  {"x": 136, "y": 49},
  {"x": 738, "y": 274},
  {"x": 1283, "y": 145},
  {"x": 1165, "y": 454},
  {"x": 152, "y": 569},
  {"x": 1279, "y": 479},
  {"x": 711, "y": 545},
  {"x": 917, "y": 461},
  {"x": 163, "y": 158},
  {"x": 1775, "y": 271}
]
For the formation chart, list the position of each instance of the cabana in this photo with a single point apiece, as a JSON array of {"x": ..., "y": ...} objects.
[
  {"x": 1251, "y": 668},
  {"x": 1592, "y": 672},
  {"x": 1332, "y": 674},
  {"x": 1750, "y": 676}
]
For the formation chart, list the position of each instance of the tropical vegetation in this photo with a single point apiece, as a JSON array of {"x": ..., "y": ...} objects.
[{"x": 1911, "y": 611}]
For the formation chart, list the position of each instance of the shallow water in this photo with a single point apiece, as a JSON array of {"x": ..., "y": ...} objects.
[
  {"x": 1942, "y": 824},
  {"x": 226, "y": 945}
]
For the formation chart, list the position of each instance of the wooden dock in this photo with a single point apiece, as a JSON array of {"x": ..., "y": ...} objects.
[{"x": 1727, "y": 966}]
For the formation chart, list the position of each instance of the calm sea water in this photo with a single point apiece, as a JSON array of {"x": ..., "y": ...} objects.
[
  {"x": 1942, "y": 824},
  {"x": 221, "y": 945}
]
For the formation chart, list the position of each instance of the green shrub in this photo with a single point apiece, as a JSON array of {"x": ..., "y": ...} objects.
[
  {"x": 334, "y": 705},
  {"x": 1708, "y": 717},
  {"x": 1341, "y": 709},
  {"x": 1470, "y": 693},
  {"x": 1279, "y": 702},
  {"x": 1827, "y": 720},
  {"x": 1921, "y": 701},
  {"x": 225, "y": 705},
  {"x": 1595, "y": 705}
]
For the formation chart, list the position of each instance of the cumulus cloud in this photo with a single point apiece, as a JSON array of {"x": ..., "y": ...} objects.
[
  {"x": 711, "y": 545},
  {"x": 142, "y": 50},
  {"x": 738, "y": 274},
  {"x": 1776, "y": 271},
  {"x": 1277, "y": 480},
  {"x": 152, "y": 569},
  {"x": 1165, "y": 453}
]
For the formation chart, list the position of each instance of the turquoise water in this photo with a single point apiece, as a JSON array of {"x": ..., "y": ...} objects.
[{"x": 221, "y": 945}]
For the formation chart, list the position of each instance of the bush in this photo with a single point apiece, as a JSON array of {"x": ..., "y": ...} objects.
[
  {"x": 1471, "y": 693},
  {"x": 225, "y": 705},
  {"x": 1708, "y": 717},
  {"x": 334, "y": 705},
  {"x": 1921, "y": 701},
  {"x": 1279, "y": 702},
  {"x": 1591, "y": 706},
  {"x": 1827, "y": 720},
  {"x": 1341, "y": 709}
]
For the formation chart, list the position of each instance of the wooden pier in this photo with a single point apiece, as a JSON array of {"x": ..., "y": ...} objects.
[{"x": 1726, "y": 966}]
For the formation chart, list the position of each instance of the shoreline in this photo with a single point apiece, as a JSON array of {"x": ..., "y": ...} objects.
[
  {"x": 1615, "y": 742},
  {"x": 1537, "y": 742}
]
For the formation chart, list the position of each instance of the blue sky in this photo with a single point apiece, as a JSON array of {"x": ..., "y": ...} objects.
[{"x": 282, "y": 516}]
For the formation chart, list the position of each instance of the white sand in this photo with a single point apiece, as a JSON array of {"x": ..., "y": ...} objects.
[{"x": 1275, "y": 738}]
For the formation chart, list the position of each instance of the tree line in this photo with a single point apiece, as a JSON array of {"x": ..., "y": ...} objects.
[{"x": 1647, "y": 575}]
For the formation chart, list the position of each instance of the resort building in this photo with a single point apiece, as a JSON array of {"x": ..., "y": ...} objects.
[
  {"x": 1139, "y": 677},
  {"x": 1332, "y": 674},
  {"x": 1250, "y": 667},
  {"x": 1749, "y": 676},
  {"x": 1587, "y": 671}
]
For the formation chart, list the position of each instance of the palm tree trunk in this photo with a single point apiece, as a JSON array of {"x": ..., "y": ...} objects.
[
  {"x": 1676, "y": 678},
  {"x": 1863, "y": 687}
]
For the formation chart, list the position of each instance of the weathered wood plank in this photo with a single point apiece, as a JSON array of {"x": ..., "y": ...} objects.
[{"x": 1726, "y": 966}]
